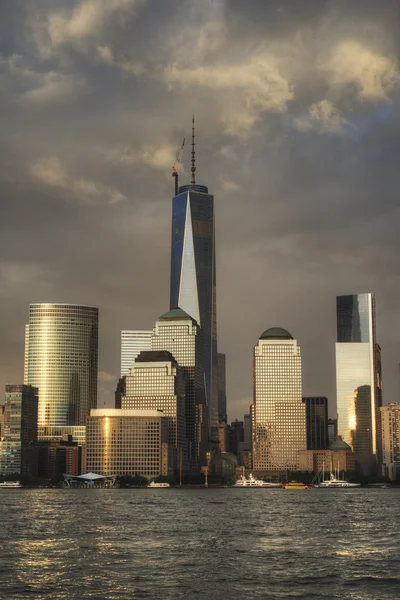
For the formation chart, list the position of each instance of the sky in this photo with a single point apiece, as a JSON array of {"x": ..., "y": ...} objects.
[{"x": 298, "y": 137}]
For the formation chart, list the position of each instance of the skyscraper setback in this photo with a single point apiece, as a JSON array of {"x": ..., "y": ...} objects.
[
  {"x": 358, "y": 379},
  {"x": 193, "y": 280}
]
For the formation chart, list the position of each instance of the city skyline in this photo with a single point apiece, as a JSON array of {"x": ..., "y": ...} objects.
[{"x": 301, "y": 166}]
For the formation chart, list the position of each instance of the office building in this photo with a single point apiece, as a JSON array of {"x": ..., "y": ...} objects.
[
  {"x": 278, "y": 413},
  {"x": 132, "y": 344},
  {"x": 61, "y": 357},
  {"x": 332, "y": 431},
  {"x": 317, "y": 422},
  {"x": 128, "y": 442},
  {"x": 222, "y": 416},
  {"x": 193, "y": 280},
  {"x": 58, "y": 458},
  {"x": 390, "y": 423},
  {"x": 247, "y": 461},
  {"x": 157, "y": 382},
  {"x": 338, "y": 457},
  {"x": 18, "y": 452},
  {"x": 179, "y": 334},
  {"x": 358, "y": 380}
]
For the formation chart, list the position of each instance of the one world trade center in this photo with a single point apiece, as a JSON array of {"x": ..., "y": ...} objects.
[{"x": 193, "y": 286}]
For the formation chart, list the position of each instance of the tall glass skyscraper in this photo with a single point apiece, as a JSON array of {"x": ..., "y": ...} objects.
[
  {"x": 61, "y": 356},
  {"x": 193, "y": 282},
  {"x": 358, "y": 379}
]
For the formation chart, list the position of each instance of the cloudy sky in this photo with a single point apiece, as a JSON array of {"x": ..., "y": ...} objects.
[{"x": 297, "y": 109}]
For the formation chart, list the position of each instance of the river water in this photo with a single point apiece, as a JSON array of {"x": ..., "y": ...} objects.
[{"x": 199, "y": 543}]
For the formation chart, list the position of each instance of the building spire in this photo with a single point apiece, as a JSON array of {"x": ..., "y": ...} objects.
[{"x": 193, "y": 169}]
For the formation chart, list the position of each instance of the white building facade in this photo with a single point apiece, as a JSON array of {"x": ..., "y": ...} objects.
[{"x": 132, "y": 344}]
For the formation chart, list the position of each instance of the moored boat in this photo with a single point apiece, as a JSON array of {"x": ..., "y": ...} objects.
[
  {"x": 10, "y": 485},
  {"x": 334, "y": 482},
  {"x": 252, "y": 481}
]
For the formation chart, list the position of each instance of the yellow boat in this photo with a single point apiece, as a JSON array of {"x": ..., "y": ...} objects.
[{"x": 295, "y": 485}]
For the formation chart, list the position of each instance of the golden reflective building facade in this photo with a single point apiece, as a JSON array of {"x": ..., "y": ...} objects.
[
  {"x": 358, "y": 380},
  {"x": 61, "y": 356},
  {"x": 157, "y": 382},
  {"x": 128, "y": 442},
  {"x": 278, "y": 412}
]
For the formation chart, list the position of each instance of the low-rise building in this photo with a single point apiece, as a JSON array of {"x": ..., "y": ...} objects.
[
  {"x": 128, "y": 442},
  {"x": 59, "y": 457}
]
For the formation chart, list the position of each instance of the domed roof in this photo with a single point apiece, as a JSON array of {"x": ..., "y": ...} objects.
[
  {"x": 340, "y": 445},
  {"x": 276, "y": 333}
]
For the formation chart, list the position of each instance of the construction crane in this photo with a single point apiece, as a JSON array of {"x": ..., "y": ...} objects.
[{"x": 175, "y": 168}]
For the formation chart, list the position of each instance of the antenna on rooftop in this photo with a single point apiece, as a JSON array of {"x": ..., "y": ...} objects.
[{"x": 193, "y": 169}]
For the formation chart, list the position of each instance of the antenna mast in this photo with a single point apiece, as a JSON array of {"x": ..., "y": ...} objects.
[{"x": 193, "y": 169}]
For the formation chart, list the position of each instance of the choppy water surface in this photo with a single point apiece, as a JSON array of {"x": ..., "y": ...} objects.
[{"x": 211, "y": 544}]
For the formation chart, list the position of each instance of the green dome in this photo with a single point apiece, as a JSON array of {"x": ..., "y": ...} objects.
[
  {"x": 276, "y": 333},
  {"x": 340, "y": 445}
]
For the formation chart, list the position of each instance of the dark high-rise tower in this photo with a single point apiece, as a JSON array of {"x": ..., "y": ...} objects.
[
  {"x": 358, "y": 379},
  {"x": 193, "y": 286}
]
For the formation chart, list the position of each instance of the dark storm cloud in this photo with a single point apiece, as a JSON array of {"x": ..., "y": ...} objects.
[{"x": 297, "y": 106}]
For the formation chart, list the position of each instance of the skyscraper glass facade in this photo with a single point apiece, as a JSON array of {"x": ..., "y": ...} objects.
[
  {"x": 317, "y": 422},
  {"x": 358, "y": 380},
  {"x": 61, "y": 357},
  {"x": 193, "y": 281}
]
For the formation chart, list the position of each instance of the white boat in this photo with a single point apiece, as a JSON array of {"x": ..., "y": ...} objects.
[
  {"x": 251, "y": 481},
  {"x": 11, "y": 485},
  {"x": 334, "y": 480},
  {"x": 154, "y": 484}
]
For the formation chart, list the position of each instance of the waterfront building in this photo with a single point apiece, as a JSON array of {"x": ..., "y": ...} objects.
[
  {"x": 317, "y": 422},
  {"x": 132, "y": 344},
  {"x": 193, "y": 280},
  {"x": 179, "y": 334},
  {"x": 332, "y": 431},
  {"x": 157, "y": 382},
  {"x": 338, "y": 457},
  {"x": 61, "y": 355},
  {"x": 128, "y": 442},
  {"x": 222, "y": 415},
  {"x": 58, "y": 458},
  {"x": 358, "y": 380},
  {"x": 18, "y": 453},
  {"x": 390, "y": 423},
  {"x": 278, "y": 413}
]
